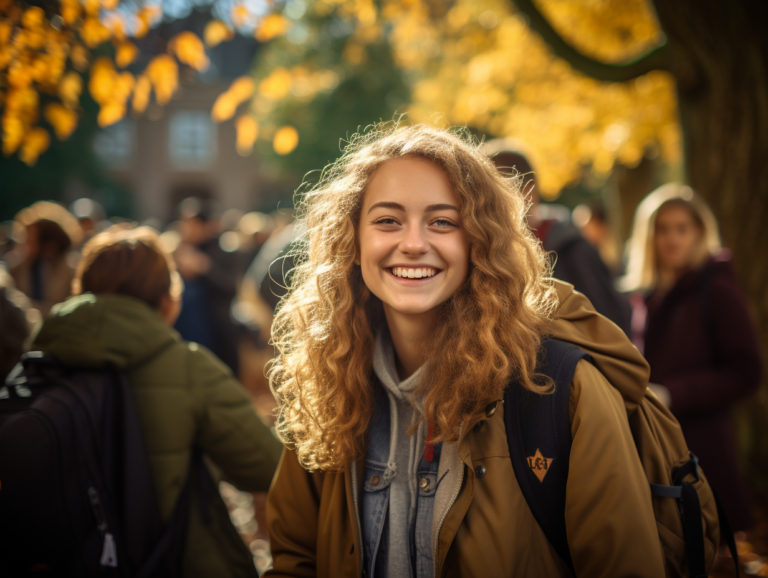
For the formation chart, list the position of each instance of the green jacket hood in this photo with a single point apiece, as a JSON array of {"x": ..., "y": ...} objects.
[{"x": 105, "y": 330}]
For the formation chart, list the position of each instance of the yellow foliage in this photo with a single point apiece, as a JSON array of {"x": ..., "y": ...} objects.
[
  {"x": 13, "y": 134},
  {"x": 70, "y": 11},
  {"x": 164, "y": 74},
  {"x": 217, "y": 32},
  {"x": 276, "y": 85},
  {"x": 110, "y": 113},
  {"x": 226, "y": 104},
  {"x": 79, "y": 57},
  {"x": 285, "y": 140},
  {"x": 126, "y": 53},
  {"x": 247, "y": 131},
  {"x": 102, "y": 81},
  {"x": 62, "y": 119},
  {"x": 6, "y": 27},
  {"x": 144, "y": 19},
  {"x": 496, "y": 75},
  {"x": 33, "y": 18},
  {"x": 35, "y": 143},
  {"x": 189, "y": 50},
  {"x": 93, "y": 32},
  {"x": 240, "y": 15},
  {"x": 109, "y": 4},
  {"x": 272, "y": 26},
  {"x": 141, "y": 95}
]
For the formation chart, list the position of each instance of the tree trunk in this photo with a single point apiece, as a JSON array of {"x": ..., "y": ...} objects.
[{"x": 719, "y": 55}]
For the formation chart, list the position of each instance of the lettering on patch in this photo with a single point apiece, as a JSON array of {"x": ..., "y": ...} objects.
[{"x": 539, "y": 464}]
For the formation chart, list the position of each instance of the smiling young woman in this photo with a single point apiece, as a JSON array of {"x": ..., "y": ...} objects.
[{"x": 420, "y": 294}]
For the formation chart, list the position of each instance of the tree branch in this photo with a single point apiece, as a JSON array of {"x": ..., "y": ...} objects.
[{"x": 655, "y": 59}]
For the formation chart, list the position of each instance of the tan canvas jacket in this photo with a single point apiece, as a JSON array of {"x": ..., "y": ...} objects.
[{"x": 489, "y": 529}]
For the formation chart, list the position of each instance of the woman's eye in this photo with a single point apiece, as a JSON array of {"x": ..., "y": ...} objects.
[
  {"x": 443, "y": 223},
  {"x": 385, "y": 221}
]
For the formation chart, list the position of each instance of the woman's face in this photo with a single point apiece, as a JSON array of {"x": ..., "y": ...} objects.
[
  {"x": 414, "y": 254},
  {"x": 676, "y": 238}
]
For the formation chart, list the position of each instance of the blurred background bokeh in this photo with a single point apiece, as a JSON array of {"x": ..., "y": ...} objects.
[{"x": 201, "y": 118}]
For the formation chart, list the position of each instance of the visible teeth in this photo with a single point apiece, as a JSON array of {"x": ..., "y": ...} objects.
[{"x": 413, "y": 273}]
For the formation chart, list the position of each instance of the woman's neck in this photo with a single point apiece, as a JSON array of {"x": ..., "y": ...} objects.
[{"x": 409, "y": 334}]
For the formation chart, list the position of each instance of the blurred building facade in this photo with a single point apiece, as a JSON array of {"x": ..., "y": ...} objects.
[{"x": 176, "y": 151}]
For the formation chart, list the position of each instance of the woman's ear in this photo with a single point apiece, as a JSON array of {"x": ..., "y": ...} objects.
[{"x": 169, "y": 309}]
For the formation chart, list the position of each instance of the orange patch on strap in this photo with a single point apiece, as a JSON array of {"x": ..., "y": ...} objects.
[{"x": 539, "y": 464}]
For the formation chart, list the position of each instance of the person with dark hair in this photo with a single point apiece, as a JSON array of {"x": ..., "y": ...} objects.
[
  {"x": 210, "y": 276},
  {"x": 127, "y": 298},
  {"x": 575, "y": 260},
  {"x": 39, "y": 266}
]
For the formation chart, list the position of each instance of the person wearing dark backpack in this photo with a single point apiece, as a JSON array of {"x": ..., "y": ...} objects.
[
  {"x": 418, "y": 340},
  {"x": 697, "y": 332},
  {"x": 126, "y": 298}
]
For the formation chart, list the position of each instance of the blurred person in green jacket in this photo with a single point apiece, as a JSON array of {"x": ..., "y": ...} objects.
[{"x": 127, "y": 296}]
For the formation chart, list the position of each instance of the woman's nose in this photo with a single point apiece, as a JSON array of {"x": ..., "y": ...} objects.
[{"x": 414, "y": 242}]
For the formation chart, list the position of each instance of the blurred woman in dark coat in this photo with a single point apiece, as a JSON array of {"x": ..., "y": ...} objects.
[{"x": 697, "y": 332}]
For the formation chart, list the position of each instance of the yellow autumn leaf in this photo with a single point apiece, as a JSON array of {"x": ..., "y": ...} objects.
[
  {"x": 33, "y": 18},
  {"x": 6, "y": 27},
  {"x": 13, "y": 134},
  {"x": 62, "y": 119},
  {"x": 240, "y": 15},
  {"x": 224, "y": 108},
  {"x": 70, "y": 11},
  {"x": 92, "y": 7},
  {"x": 285, "y": 140},
  {"x": 110, "y": 113},
  {"x": 164, "y": 74},
  {"x": 23, "y": 104},
  {"x": 144, "y": 20},
  {"x": 70, "y": 87},
  {"x": 126, "y": 53},
  {"x": 217, "y": 32},
  {"x": 123, "y": 86},
  {"x": 276, "y": 85},
  {"x": 35, "y": 143},
  {"x": 93, "y": 32},
  {"x": 270, "y": 27},
  {"x": 247, "y": 131},
  {"x": 141, "y": 95},
  {"x": 189, "y": 50},
  {"x": 116, "y": 26},
  {"x": 109, "y": 4},
  {"x": 242, "y": 88},
  {"x": 102, "y": 81},
  {"x": 79, "y": 56}
]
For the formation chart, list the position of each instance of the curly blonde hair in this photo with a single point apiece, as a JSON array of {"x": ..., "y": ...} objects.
[{"x": 487, "y": 333}]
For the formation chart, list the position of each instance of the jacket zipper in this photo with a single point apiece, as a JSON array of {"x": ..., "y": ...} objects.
[
  {"x": 353, "y": 479},
  {"x": 454, "y": 497}
]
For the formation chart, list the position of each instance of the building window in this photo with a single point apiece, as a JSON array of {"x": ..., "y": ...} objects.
[
  {"x": 192, "y": 139},
  {"x": 114, "y": 144}
]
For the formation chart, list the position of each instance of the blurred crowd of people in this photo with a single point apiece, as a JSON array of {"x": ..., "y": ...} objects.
[{"x": 675, "y": 295}]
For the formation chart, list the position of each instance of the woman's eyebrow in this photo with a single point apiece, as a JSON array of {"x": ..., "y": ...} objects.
[
  {"x": 399, "y": 207},
  {"x": 387, "y": 205},
  {"x": 441, "y": 207}
]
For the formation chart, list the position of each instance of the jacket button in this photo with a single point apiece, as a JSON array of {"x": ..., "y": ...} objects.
[
  {"x": 424, "y": 484},
  {"x": 480, "y": 471},
  {"x": 491, "y": 409},
  {"x": 375, "y": 480}
]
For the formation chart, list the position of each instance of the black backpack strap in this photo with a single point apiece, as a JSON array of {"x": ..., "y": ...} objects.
[
  {"x": 690, "y": 514},
  {"x": 539, "y": 438}
]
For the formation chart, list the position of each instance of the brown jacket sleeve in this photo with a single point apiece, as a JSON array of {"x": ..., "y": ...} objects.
[
  {"x": 292, "y": 519},
  {"x": 609, "y": 517}
]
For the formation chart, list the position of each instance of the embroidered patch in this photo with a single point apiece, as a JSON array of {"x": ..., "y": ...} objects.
[{"x": 539, "y": 464}]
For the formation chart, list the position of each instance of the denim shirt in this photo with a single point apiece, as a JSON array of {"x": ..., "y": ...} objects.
[{"x": 375, "y": 501}]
